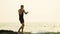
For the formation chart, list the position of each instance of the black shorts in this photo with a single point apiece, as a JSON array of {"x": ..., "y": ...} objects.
[{"x": 21, "y": 19}]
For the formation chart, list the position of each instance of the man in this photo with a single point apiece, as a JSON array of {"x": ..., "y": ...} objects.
[{"x": 21, "y": 12}]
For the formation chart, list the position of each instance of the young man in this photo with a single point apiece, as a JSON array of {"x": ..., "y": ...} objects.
[{"x": 21, "y": 12}]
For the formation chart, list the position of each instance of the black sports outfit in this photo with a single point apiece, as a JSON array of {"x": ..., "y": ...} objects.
[{"x": 21, "y": 18}]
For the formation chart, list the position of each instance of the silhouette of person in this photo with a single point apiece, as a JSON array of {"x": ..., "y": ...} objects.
[{"x": 21, "y": 12}]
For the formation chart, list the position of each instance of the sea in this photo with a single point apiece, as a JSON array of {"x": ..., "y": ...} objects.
[{"x": 31, "y": 27}]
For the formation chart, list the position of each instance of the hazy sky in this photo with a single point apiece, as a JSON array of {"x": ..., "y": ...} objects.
[{"x": 39, "y": 10}]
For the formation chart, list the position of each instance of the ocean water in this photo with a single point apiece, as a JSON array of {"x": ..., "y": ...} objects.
[{"x": 32, "y": 27}]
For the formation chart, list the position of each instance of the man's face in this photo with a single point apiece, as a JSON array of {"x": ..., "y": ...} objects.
[{"x": 22, "y": 7}]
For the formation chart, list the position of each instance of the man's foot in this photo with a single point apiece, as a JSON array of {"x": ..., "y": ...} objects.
[
  {"x": 22, "y": 33},
  {"x": 18, "y": 30}
]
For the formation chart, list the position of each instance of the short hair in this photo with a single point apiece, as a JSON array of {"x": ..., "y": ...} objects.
[{"x": 22, "y": 5}]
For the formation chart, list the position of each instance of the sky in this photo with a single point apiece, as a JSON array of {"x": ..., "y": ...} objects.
[{"x": 39, "y": 10}]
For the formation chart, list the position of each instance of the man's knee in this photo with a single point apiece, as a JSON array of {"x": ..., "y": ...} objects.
[{"x": 23, "y": 24}]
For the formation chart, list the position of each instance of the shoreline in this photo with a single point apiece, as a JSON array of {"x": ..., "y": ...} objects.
[{"x": 13, "y": 32}]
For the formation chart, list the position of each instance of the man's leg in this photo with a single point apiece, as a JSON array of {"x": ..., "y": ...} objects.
[{"x": 22, "y": 27}]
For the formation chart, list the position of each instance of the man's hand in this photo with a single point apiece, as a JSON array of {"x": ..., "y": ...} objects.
[{"x": 26, "y": 12}]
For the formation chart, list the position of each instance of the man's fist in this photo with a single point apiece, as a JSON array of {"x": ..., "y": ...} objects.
[{"x": 26, "y": 12}]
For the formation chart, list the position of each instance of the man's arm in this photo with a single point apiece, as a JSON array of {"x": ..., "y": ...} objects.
[{"x": 25, "y": 12}]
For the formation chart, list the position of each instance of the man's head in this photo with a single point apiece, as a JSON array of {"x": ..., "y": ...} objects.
[{"x": 22, "y": 6}]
